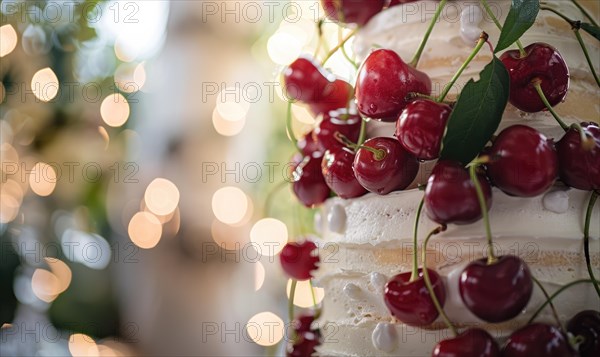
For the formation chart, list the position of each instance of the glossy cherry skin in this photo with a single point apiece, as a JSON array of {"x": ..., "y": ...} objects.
[
  {"x": 335, "y": 95},
  {"x": 338, "y": 173},
  {"x": 308, "y": 144},
  {"x": 303, "y": 323},
  {"x": 523, "y": 162},
  {"x": 308, "y": 183},
  {"x": 542, "y": 62},
  {"x": 421, "y": 127},
  {"x": 538, "y": 340},
  {"x": 579, "y": 167},
  {"x": 394, "y": 171},
  {"x": 399, "y": 2},
  {"x": 496, "y": 292},
  {"x": 587, "y": 325},
  {"x": 352, "y": 11},
  {"x": 450, "y": 196},
  {"x": 410, "y": 302},
  {"x": 298, "y": 259},
  {"x": 474, "y": 342},
  {"x": 305, "y": 80},
  {"x": 338, "y": 121},
  {"x": 383, "y": 84}
]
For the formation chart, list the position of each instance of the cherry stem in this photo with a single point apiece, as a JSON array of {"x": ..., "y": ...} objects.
[
  {"x": 490, "y": 13},
  {"x": 586, "y": 240},
  {"x": 288, "y": 127},
  {"x": 271, "y": 196},
  {"x": 415, "y": 61},
  {"x": 338, "y": 46},
  {"x": 434, "y": 298},
  {"x": 291, "y": 299},
  {"x": 537, "y": 282},
  {"x": 362, "y": 135},
  {"x": 482, "y": 40},
  {"x": 343, "y": 48},
  {"x": 415, "y": 269},
  {"x": 379, "y": 154},
  {"x": 484, "y": 209},
  {"x": 585, "y": 13},
  {"x": 556, "y": 293},
  {"x": 314, "y": 300},
  {"x": 537, "y": 84},
  {"x": 586, "y": 143}
]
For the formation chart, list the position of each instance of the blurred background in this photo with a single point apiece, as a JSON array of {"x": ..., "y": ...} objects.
[{"x": 144, "y": 168}]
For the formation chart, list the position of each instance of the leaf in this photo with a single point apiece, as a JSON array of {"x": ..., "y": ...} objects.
[
  {"x": 591, "y": 29},
  {"x": 476, "y": 114},
  {"x": 520, "y": 18}
]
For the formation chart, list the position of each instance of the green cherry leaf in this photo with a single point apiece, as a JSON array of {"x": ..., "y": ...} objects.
[
  {"x": 476, "y": 114},
  {"x": 520, "y": 18},
  {"x": 591, "y": 29}
]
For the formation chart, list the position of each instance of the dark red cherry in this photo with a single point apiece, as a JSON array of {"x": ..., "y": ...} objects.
[
  {"x": 308, "y": 144},
  {"x": 410, "y": 302},
  {"x": 308, "y": 182},
  {"x": 523, "y": 162},
  {"x": 338, "y": 121},
  {"x": 450, "y": 196},
  {"x": 538, "y": 340},
  {"x": 383, "y": 83},
  {"x": 335, "y": 95},
  {"x": 305, "y": 80},
  {"x": 388, "y": 169},
  {"x": 399, "y": 2},
  {"x": 303, "y": 323},
  {"x": 586, "y": 324},
  {"x": 338, "y": 173},
  {"x": 421, "y": 127},
  {"x": 474, "y": 342},
  {"x": 578, "y": 165},
  {"x": 352, "y": 11},
  {"x": 298, "y": 260},
  {"x": 542, "y": 62},
  {"x": 304, "y": 345},
  {"x": 498, "y": 291}
]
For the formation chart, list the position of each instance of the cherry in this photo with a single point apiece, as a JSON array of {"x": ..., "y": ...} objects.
[
  {"x": 335, "y": 95},
  {"x": 308, "y": 144},
  {"x": 578, "y": 165},
  {"x": 538, "y": 340},
  {"x": 474, "y": 342},
  {"x": 304, "y": 346},
  {"x": 421, "y": 127},
  {"x": 496, "y": 291},
  {"x": 410, "y": 302},
  {"x": 523, "y": 162},
  {"x": 303, "y": 323},
  {"x": 298, "y": 259},
  {"x": 399, "y": 2},
  {"x": 388, "y": 169},
  {"x": 384, "y": 82},
  {"x": 352, "y": 11},
  {"x": 450, "y": 196},
  {"x": 587, "y": 325},
  {"x": 338, "y": 121},
  {"x": 308, "y": 183},
  {"x": 543, "y": 62},
  {"x": 338, "y": 173},
  {"x": 305, "y": 80}
]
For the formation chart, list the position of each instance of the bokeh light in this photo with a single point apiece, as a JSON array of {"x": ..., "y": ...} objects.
[
  {"x": 302, "y": 114},
  {"x": 269, "y": 235},
  {"x": 265, "y": 328},
  {"x": 44, "y": 84},
  {"x": 45, "y": 285},
  {"x": 161, "y": 197},
  {"x": 283, "y": 47},
  {"x": 259, "y": 275},
  {"x": 230, "y": 204},
  {"x": 227, "y": 127},
  {"x": 61, "y": 271},
  {"x": 42, "y": 179},
  {"x": 229, "y": 237},
  {"x": 114, "y": 110},
  {"x": 144, "y": 230},
  {"x": 303, "y": 296},
  {"x": 81, "y": 345},
  {"x": 8, "y": 40}
]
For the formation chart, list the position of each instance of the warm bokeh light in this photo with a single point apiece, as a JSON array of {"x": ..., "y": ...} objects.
[
  {"x": 139, "y": 75},
  {"x": 283, "y": 47},
  {"x": 229, "y": 237},
  {"x": 8, "y": 40},
  {"x": 125, "y": 52},
  {"x": 269, "y": 235},
  {"x": 144, "y": 230},
  {"x": 42, "y": 179},
  {"x": 45, "y": 285},
  {"x": 231, "y": 104},
  {"x": 104, "y": 134},
  {"x": 81, "y": 345},
  {"x": 9, "y": 207},
  {"x": 161, "y": 197},
  {"x": 114, "y": 110},
  {"x": 61, "y": 271},
  {"x": 303, "y": 296},
  {"x": 227, "y": 127},
  {"x": 44, "y": 84},
  {"x": 259, "y": 275},
  {"x": 130, "y": 77},
  {"x": 230, "y": 205},
  {"x": 265, "y": 328},
  {"x": 302, "y": 114}
]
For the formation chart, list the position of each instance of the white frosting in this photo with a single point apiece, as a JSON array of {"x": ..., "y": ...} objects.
[
  {"x": 336, "y": 219},
  {"x": 378, "y": 281},
  {"x": 470, "y": 18},
  {"x": 556, "y": 201},
  {"x": 384, "y": 337},
  {"x": 352, "y": 291},
  {"x": 318, "y": 222}
]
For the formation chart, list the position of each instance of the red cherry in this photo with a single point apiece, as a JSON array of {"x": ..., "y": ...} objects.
[
  {"x": 542, "y": 62},
  {"x": 523, "y": 162},
  {"x": 298, "y": 259},
  {"x": 451, "y": 197},
  {"x": 308, "y": 144},
  {"x": 538, "y": 340},
  {"x": 338, "y": 173},
  {"x": 303, "y": 323},
  {"x": 308, "y": 182},
  {"x": 337, "y": 121},
  {"x": 586, "y": 324},
  {"x": 335, "y": 95},
  {"x": 474, "y": 342},
  {"x": 399, "y": 2},
  {"x": 394, "y": 170},
  {"x": 498, "y": 291},
  {"x": 579, "y": 166},
  {"x": 421, "y": 127},
  {"x": 410, "y": 302},
  {"x": 305, "y": 80},
  {"x": 304, "y": 346},
  {"x": 352, "y": 11},
  {"x": 384, "y": 81}
]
